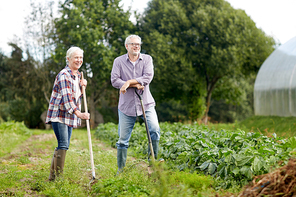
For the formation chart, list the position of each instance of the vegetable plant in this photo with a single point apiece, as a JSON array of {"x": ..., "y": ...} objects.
[{"x": 231, "y": 157}]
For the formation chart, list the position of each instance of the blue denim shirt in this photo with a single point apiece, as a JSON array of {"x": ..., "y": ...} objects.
[{"x": 143, "y": 72}]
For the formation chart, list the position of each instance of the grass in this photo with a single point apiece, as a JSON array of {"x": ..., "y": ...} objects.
[
  {"x": 282, "y": 126},
  {"x": 24, "y": 170},
  {"x": 25, "y": 157},
  {"x": 225, "y": 126},
  {"x": 11, "y": 134}
]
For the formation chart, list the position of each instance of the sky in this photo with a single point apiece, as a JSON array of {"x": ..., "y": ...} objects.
[{"x": 275, "y": 17}]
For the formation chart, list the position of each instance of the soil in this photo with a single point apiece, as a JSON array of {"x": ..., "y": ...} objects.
[{"x": 281, "y": 182}]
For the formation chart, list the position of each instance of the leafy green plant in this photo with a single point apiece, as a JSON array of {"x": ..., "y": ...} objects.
[
  {"x": 14, "y": 127},
  {"x": 12, "y": 133},
  {"x": 232, "y": 157},
  {"x": 192, "y": 180},
  {"x": 117, "y": 187}
]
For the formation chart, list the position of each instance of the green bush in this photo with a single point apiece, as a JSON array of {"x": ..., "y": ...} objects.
[
  {"x": 15, "y": 127},
  {"x": 33, "y": 119},
  {"x": 171, "y": 111},
  {"x": 4, "y": 112},
  {"x": 21, "y": 110},
  {"x": 18, "y": 109},
  {"x": 108, "y": 114},
  {"x": 11, "y": 134}
]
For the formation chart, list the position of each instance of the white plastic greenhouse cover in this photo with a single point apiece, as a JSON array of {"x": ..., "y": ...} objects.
[{"x": 275, "y": 85}]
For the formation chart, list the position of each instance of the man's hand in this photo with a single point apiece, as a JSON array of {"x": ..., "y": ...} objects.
[
  {"x": 131, "y": 83},
  {"x": 139, "y": 86},
  {"x": 124, "y": 87}
]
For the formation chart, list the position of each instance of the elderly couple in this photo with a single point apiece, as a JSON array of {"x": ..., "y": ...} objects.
[{"x": 130, "y": 71}]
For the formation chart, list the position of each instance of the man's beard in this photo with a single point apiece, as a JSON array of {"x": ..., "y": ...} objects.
[{"x": 135, "y": 53}]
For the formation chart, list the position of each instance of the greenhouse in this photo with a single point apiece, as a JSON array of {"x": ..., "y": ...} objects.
[{"x": 275, "y": 85}]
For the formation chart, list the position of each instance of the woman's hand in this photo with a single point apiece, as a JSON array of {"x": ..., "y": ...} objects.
[
  {"x": 84, "y": 116},
  {"x": 83, "y": 82}
]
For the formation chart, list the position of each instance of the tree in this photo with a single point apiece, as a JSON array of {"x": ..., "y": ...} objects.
[
  {"x": 3, "y": 105},
  {"x": 39, "y": 41},
  {"x": 28, "y": 80},
  {"x": 3, "y": 69},
  {"x": 99, "y": 28},
  {"x": 206, "y": 42},
  {"x": 231, "y": 108},
  {"x": 39, "y": 29},
  {"x": 235, "y": 46},
  {"x": 163, "y": 28},
  {"x": 21, "y": 90}
]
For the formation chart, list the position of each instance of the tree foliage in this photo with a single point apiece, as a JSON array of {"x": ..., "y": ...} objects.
[
  {"x": 204, "y": 51},
  {"x": 197, "y": 43},
  {"x": 235, "y": 106},
  {"x": 99, "y": 28},
  {"x": 39, "y": 27},
  {"x": 21, "y": 95}
]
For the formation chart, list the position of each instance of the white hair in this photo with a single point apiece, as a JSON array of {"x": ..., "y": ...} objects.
[
  {"x": 127, "y": 40},
  {"x": 70, "y": 51}
]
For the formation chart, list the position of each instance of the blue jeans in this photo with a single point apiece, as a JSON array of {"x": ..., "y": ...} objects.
[
  {"x": 63, "y": 134},
  {"x": 126, "y": 125}
]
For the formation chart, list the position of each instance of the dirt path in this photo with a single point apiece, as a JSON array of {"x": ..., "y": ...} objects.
[
  {"x": 27, "y": 148},
  {"x": 27, "y": 166},
  {"x": 33, "y": 153}
]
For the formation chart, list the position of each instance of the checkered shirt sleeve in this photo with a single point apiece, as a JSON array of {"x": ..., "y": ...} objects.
[{"x": 63, "y": 103}]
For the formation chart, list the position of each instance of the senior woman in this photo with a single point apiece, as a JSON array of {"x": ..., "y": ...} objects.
[{"x": 64, "y": 108}]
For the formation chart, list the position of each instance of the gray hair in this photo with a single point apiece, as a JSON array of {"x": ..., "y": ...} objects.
[
  {"x": 127, "y": 40},
  {"x": 70, "y": 51}
]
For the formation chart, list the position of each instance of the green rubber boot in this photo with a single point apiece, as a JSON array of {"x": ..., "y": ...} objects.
[
  {"x": 61, "y": 156},
  {"x": 52, "y": 173},
  {"x": 155, "y": 144},
  {"x": 121, "y": 159}
]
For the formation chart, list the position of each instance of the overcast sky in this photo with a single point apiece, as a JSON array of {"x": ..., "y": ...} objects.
[{"x": 275, "y": 17}]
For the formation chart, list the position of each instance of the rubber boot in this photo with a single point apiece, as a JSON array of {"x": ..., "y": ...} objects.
[
  {"x": 53, "y": 165},
  {"x": 61, "y": 155},
  {"x": 121, "y": 159},
  {"x": 155, "y": 150}
]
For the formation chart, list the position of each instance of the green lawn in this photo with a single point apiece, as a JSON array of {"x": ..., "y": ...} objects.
[{"x": 282, "y": 126}]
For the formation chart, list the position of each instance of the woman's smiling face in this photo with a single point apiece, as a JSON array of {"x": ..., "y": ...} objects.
[{"x": 75, "y": 60}]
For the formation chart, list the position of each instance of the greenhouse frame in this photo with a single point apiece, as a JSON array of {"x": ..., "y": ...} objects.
[{"x": 275, "y": 85}]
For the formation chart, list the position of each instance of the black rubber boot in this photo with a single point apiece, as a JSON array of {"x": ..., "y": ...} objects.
[
  {"x": 61, "y": 156},
  {"x": 121, "y": 159},
  {"x": 52, "y": 171}
]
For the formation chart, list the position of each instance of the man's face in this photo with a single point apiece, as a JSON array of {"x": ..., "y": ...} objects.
[
  {"x": 133, "y": 47},
  {"x": 76, "y": 60}
]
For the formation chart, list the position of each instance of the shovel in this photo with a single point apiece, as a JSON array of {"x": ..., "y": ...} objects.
[
  {"x": 146, "y": 124},
  {"x": 88, "y": 133}
]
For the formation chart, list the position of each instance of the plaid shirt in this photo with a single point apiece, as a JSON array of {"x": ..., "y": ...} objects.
[{"x": 63, "y": 103}]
